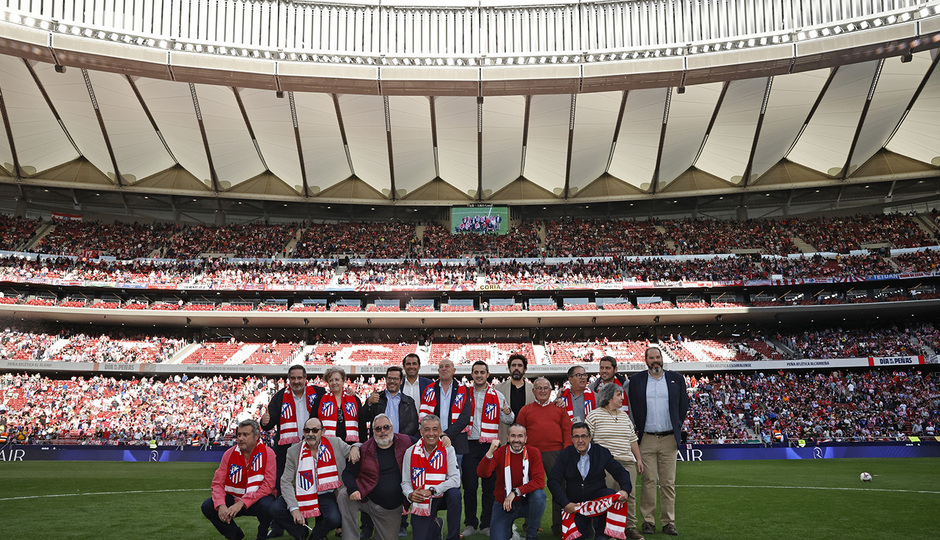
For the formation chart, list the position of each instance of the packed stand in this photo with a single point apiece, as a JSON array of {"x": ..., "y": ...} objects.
[
  {"x": 241, "y": 241},
  {"x": 91, "y": 239},
  {"x": 844, "y": 234},
  {"x": 720, "y": 236},
  {"x": 392, "y": 240},
  {"x": 15, "y": 232},
  {"x": 871, "y": 264},
  {"x": 408, "y": 273},
  {"x": 604, "y": 238},
  {"x": 860, "y": 343}
]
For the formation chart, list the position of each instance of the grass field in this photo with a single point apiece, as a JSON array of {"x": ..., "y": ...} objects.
[{"x": 816, "y": 499}]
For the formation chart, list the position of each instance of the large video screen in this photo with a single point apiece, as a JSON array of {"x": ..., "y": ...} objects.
[{"x": 479, "y": 219}]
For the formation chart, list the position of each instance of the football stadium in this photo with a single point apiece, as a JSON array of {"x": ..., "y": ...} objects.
[{"x": 675, "y": 265}]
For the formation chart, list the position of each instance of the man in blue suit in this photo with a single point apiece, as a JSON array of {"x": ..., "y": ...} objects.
[
  {"x": 658, "y": 404},
  {"x": 414, "y": 385},
  {"x": 580, "y": 475}
]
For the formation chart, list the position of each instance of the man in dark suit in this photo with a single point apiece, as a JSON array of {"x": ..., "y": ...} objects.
[
  {"x": 449, "y": 400},
  {"x": 287, "y": 411},
  {"x": 400, "y": 408},
  {"x": 580, "y": 475},
  {"x": 658, "y": 404},
  {"x": 414, "y": 385}
]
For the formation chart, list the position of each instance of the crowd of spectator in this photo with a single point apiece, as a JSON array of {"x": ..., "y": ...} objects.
[
  {"x": 90, "y": 239},
  {"x": 409, "y": 273},
  {"x": 605, "y": 238},
  {"x": 844, "y": 234},
  {"x": 789, "y": 406},
  {"x": 251, "y": 241},
  {"x": 16, "y": 231},
  {"x": 697, "y": 236},
  {"x": 914, "y": 339},
  {"x": 71, "y": 346},
  {"x": 386, "y": 240},
  {"x": 523, "y": 240}
]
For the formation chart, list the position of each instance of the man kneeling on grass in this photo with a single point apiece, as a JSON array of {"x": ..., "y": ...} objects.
[{"x": 243, "y": 484}]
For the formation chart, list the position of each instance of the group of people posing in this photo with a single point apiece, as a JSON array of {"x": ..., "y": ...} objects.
[{"x": 404, "y": 453}]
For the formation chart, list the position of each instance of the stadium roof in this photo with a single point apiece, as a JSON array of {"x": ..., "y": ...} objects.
[{"x": 108, "y": 111}]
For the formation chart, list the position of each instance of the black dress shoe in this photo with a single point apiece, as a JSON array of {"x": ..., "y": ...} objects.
[{"x": 275, "y": 532}]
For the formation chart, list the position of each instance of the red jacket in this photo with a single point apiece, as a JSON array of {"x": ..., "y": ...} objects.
[{"x": 497, "y": 463}]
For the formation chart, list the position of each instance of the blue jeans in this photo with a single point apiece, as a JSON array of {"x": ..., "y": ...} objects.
[
  {"x": 531, "y": 507},
  {"x": 260, "y": 509}
]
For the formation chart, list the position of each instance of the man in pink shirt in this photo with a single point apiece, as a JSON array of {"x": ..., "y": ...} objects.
[{"x": 243, "y": 484}]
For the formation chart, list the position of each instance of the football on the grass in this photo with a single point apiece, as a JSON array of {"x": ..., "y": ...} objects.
[{"x": 864, "y": 477}]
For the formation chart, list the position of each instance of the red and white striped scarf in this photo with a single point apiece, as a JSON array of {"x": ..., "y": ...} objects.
[
  {"x": 312, "y": 478},
  {"x": 507, "y": 473},
  {"x": 427, "y": 472},
  {"x": 489, "y": 416},
  {"x": 329, "y": 411},
  {"x": 429, "y": 402},
  {"x": 287, "y": 427},
  {"x": 616, "y": 517},
  {"x": 589, "y": 402},
  {"x": 245, "y": 478}
]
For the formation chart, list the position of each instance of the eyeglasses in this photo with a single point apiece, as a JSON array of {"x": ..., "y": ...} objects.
[
  {"x": 579, "y": 374},
  {"x": 580, "y": 436},
  {"x": 392, "y": 378},
  {"x": 383, "y": 428},
  {"x": 314, "y": 430}
]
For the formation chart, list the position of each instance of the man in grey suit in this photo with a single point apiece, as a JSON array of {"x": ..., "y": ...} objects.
[
  {"x": 287, "y": 511},
  {"x": 516, "y": 389}
]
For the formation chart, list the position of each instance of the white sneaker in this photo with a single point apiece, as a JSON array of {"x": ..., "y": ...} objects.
[
  {"x": 515, "y": 533},
  {"x": 469, "y": 531},
  {"x": 485, "y": 531}
]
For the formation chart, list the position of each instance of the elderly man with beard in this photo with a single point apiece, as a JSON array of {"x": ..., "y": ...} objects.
[
  {"x": 374, "y": 483},
  {"x": 516, "y": 389},
  {"x": 658, "y": 403},
  {"x": 520, "y": 480},
  {"x": 311, "y": 485},
  {"x": 243, "y": 484},
  {"x": 430, "y": 481}
]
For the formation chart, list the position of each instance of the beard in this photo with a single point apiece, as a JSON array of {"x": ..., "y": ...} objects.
[
  {"x": 516, "y": 375},
  {"x": 384, "y": 441},
  {"x": 656, "y": 368}
]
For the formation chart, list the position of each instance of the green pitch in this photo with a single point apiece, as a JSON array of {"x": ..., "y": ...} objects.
[{"x": 817, "y": 499}]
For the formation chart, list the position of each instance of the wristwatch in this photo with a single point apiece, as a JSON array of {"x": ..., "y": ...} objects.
[
  {"x": 432, "y": 490},
  {"x": 516, "y": 492}
]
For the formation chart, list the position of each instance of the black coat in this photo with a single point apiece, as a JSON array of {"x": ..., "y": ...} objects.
[
  {"x": 566, "y": 484},
  {"x": 678, "y": 401},
  {"x": 407, "y": 413}
]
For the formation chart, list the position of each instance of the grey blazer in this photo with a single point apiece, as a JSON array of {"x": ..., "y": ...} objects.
[
  {"x": 293, "y": 458},
  {"x": 503, "y": 388}
]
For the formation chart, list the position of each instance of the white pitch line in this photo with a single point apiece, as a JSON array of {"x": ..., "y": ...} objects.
[
  {"x": 96, "y": 493},
  {"x": 810, "y": 487}
]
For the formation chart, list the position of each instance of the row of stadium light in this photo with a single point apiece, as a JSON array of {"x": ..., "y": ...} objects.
[{"x": 473, "y": 61}]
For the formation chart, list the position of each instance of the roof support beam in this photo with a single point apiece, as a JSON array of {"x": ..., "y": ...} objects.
[
  {"x": 574, "y": 107},
  {"x": 654, "y": 183},
  {"x": 746, "y": 177},
  {"x": 17, "y": 170},
  {"x": 525, "y": 132},
  {"x": 153, "y": 121},
  {"x": 437, "y": 163},
  {"x": 617, "y": 125},
  {"x": 103, "y": 127},
  {"x": 298, "y": 141},
  {"x": 479, "y": 148},
  {"x": 861, "y": 120},
  {"x": 916, "y": 96},
  {"x": 342, "y": 132},
  {"x": 213, "y": 175},
  {"x": 812, "y": 111},
  {"x": 391, "y": 153},
  {"x": 251, "y": 132}
]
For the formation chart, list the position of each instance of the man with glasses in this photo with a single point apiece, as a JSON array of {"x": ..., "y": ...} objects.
[
  {"x": 374, "y": 483},
  {"x": 577, "y": 400},
  {"x": 549, "y": 430},
  {"x": 580, "y": 475},
  {"x": 401, "y": 410},
  {"x": 311, "y": 485}
]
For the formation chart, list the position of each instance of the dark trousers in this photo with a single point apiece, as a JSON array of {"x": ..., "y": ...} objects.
[
  {"x": 280, "y": 459},
  {"x": 328, "y": 520},
  {"x": 260, "y": 509},
  {"x": 469, "y": 479},
  {"x": 425, "y": 527}
]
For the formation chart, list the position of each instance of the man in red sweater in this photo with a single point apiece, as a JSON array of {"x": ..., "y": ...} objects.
[
  {"x": 520, "y": 483},
  {"x": 550, "y": 427}
]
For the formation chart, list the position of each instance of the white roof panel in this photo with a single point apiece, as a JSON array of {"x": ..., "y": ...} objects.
[
  {"x": 918, "y": 137},
  {"x": 137, "y": 148},
  {"x": 320, "y": 139},
  {"x": 234, "y": 156},
  {"x": 791, "y": 99},
  {"x": 412, "y": 146},
  {"x": 893, "y": 93},
  {"x": 364, "y": 118},
  {"x": 689, "y": 116},
  {"x": 825, "y": 143},
  {"x": 271, "y": 122},
  {"x": 546, "y": 157},
  {"x": 594, "y": 122},
  {"x": 503, "y": 117},
  {"x": 457, "y": 140},
  {"x": 70, "y": 97},
  {"x": 638, "y": 143},
  {"x": 729, "y": 144},
  {"x": 171, "y": 105}
]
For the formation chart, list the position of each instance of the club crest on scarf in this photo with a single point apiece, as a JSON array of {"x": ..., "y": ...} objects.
[
  {"x": 235, "y": 473},
  {"x": 256, "y": 462},
  {"x": 417, "y": 476},
  {"x": 350, "y": 408},
  {"x": 285, "y": 408},
  {"x": 306, "y": 479},
  {"x": 458, "y": 400},
  {"x": 437, "y": 460},
  {"x": 327, "y": 408},
  {"x": 429, "y": 393},
  {"x": 323, "y": 454},
  {"x": 489, "y": 410}
]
